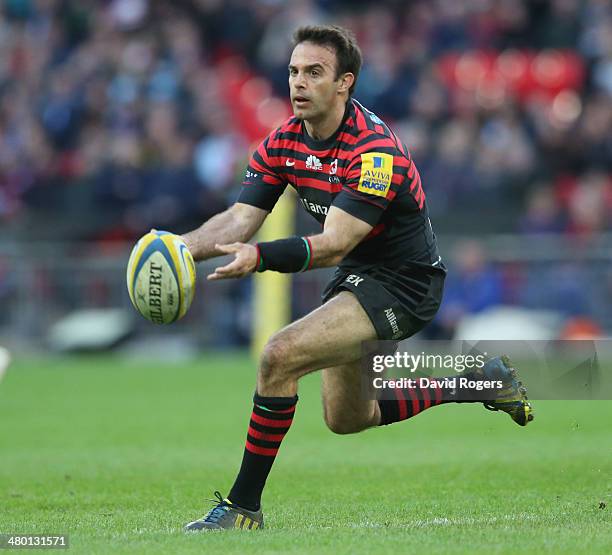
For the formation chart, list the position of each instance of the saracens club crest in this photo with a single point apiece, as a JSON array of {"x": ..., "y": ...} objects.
[{"x": 333, "y": 168}]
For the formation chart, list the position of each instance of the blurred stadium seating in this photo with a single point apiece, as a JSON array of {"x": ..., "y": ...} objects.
[{"x": 121, "y": 115}]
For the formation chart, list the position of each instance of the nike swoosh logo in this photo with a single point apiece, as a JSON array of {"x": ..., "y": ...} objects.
[{"x": 289, "y": 162}]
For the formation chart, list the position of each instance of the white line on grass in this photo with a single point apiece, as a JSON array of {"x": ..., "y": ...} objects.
[{"x": 461, "y": 521}]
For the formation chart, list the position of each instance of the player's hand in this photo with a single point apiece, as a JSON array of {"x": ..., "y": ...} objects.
[{"x": 245, "y": 260}]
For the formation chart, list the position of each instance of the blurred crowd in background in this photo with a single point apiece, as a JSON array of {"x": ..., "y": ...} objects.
[
  {"x": 144, "y": 112},
  {"x": 121, "y": 115}
]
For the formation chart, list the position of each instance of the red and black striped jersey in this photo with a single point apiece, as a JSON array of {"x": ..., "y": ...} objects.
[{"x": 363, "y": 169}]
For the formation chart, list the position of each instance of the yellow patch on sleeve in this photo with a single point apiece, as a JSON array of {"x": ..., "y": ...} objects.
[{"x": 376, "y": 173}]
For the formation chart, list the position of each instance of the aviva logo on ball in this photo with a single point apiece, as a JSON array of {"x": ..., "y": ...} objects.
[{"x": 161, "y": 277}]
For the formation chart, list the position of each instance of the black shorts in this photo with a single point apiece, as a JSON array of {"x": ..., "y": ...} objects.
[{"x": 399, "y": 301}]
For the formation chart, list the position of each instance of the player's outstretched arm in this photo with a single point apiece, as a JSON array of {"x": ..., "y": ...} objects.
[
  {"x": 238, "y": 223},
  {"x": 341, "y": 234}
]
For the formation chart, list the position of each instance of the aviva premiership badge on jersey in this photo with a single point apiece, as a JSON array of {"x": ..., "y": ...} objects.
[{"x": 376, "y": 173}]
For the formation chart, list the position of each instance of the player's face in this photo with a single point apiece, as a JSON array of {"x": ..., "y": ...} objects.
[{"x": 313, "y": 86}]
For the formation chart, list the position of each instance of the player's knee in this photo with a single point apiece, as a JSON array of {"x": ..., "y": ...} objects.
[
  {"x": 275, "y": 358},
  {"x": 339, "y": 424},
  {"x": 342, "y": 427},
  {"x": 341, "y": 419}
]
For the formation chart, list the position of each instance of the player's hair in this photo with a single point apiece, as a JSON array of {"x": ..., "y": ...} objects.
[{"x": 348, "y": 54}]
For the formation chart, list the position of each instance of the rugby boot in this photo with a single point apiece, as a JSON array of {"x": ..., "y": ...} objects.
[
  {"x": 512, "y": 397},
  {"x": 227, "y": 516}
]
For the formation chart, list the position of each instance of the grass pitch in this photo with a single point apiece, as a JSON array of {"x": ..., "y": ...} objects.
[{"x": 119, "y": 455}]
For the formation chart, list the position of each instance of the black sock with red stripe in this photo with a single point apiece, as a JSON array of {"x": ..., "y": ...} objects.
[
  {"x": 270, "y": 421},
  {"x": 410, "y": 401}
]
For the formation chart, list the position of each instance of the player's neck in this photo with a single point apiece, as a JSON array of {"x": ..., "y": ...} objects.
[{"x": 325, "y": 127}]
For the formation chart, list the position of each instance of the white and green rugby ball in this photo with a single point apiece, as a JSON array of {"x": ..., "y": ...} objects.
[{"x": 161, "y": 277}]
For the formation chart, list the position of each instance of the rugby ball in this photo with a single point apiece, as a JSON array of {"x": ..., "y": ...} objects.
[{"x": 161, "y": 277}]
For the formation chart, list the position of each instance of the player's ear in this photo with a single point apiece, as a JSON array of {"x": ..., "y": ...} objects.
[{"x": 345, "y": 82}]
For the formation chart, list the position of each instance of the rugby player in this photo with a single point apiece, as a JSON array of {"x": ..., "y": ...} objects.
[{"x": 358, "y": 181}]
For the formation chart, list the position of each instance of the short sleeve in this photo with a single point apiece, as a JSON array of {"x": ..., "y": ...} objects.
[
  {"x": 262, "y": 186},
  {"x": 371, "y": 183}
]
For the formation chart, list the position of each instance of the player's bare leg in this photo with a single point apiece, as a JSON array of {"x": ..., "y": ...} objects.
[
  {"x": 329, "y": 336},
  {"x": 345, "y": 409}
]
